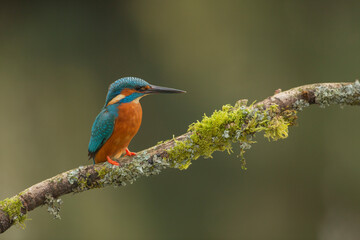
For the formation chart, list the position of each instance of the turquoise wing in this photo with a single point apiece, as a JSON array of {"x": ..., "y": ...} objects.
[{"x": 101, "y": 131}]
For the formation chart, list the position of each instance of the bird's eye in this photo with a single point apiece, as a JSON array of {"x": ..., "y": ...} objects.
[{"x": 140, "y": 89}]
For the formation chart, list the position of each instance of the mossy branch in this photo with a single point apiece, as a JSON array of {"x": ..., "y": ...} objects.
[{"x": 232, "y": 124}]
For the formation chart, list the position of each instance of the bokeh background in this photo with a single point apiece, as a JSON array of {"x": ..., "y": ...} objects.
[{"x": 57, "y": 60}]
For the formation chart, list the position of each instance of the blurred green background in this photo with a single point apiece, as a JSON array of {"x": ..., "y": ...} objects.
[{"x": 57, "y": 60}]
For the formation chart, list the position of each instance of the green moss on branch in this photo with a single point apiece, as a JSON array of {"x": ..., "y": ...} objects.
[
  {"x": 230, "y": 125},
  {"x": 13, "y": 207}
]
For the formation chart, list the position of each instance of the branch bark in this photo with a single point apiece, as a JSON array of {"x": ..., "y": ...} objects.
[{"x": 151, "y": 161}]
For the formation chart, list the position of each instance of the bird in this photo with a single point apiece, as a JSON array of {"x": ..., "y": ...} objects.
[{"x": 120, "y": 119}]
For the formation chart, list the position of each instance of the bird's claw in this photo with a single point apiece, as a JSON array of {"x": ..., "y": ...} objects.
[
  {"x": 112, "y": 162},
  {"x": 128, "y": 153}
]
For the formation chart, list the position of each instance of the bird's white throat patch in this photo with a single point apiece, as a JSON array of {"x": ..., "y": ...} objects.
[
  {"x": 116, "y": 99},
  {"x": 121, "y": 96},
  {"x": 136, "y": 100}
]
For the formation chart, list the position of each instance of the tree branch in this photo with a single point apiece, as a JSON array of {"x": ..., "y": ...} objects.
[{"x": 216, "y": 133}]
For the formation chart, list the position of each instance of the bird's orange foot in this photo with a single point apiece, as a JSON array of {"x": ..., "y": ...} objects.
[
  {"x": 128, "y": 153},
  {"x": 112, "y": 162}
]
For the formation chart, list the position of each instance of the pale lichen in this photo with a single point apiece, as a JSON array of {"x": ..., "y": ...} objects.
[
  {"x": 53, "y": 205},
  {"x": 72, "y": 176},
  {"x": 300, "y": 104},
  {"x": 345, "y": 95},
  {"x": 139, "y": 166}
]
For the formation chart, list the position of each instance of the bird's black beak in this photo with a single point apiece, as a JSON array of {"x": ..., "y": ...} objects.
[{"x": 158, "y": 89}]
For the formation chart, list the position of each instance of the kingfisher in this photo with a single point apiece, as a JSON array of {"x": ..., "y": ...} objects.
[{"x": 120, "y": 119}]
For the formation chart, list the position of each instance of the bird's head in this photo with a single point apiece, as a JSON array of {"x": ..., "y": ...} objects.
[{"x": 130, "y": 89}]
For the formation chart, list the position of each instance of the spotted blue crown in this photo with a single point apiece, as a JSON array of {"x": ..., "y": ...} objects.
[{"x": 126, "y": 82}]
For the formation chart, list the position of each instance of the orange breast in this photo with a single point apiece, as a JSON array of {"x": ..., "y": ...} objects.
[{"x": 126, "y": 126}]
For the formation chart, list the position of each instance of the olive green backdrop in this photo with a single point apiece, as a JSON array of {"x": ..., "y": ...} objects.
[{"x": 57, "y": 60}]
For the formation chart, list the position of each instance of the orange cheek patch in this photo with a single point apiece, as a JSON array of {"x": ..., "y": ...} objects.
[{"x": 127, "y": 91}]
